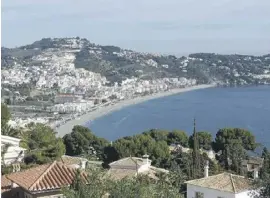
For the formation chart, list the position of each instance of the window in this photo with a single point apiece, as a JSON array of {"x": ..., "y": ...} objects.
[{"x": 199, "y": 195}]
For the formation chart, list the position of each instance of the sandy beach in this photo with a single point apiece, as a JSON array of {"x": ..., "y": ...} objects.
[{"x": 67, "y": 127}]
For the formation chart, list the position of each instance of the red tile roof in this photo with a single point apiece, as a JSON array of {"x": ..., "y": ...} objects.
[
  {"x": 45, "y": 177},
  {"x": 5, "y": 184}
]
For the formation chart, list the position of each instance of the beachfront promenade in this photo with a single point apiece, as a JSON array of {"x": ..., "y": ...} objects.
[{"x": 106, "y": 109}]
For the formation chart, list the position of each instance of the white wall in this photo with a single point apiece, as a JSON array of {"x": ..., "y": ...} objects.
[
  {"x": 246, "y": 194},
  {"x": 143, "y": 168},
  {"x": 211, "y": 193},
  {"x": 14, "y": 152},
  {"x": 208, "y": 193},
  {"x": 10, "y": 140}
]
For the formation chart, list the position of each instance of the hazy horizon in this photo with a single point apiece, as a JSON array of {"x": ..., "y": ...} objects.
[{"x": 171, "y": 27}]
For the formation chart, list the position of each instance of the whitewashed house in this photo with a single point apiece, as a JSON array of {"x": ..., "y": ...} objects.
[
  {"x": 14, "y": 153},
  {"x": 224, "y": 185},
  {"x": 176, "y": 148},
  {"x": 133, "y": 166}
]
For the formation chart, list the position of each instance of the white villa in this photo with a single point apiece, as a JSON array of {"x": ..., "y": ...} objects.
[
  {"x": 132, "y": 166},
  {"x": 224, "y": 185},
  {"x": 14, "y": 152}
]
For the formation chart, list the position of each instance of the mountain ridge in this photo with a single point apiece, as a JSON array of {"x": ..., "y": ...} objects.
[{"x": 117, "y": 64}]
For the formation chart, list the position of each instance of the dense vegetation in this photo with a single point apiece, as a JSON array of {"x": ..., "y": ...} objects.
[
  {"x": 40, "y": 141},
  {"x": 81, "y": 141},
  {"x": 230, "y": 144},
  {"x": 263, "y": 183},
  {"x": 42, "y": 144},
  {"x": 101, "y": 184}
]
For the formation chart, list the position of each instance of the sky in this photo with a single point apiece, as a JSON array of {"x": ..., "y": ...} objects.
[{"x": 163, "y": 26}]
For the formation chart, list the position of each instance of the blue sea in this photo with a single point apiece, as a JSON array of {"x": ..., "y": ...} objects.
[{"x": 213, "y": 108}]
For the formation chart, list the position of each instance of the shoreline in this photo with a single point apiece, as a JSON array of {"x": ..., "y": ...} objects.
[{"x": 102, "y": 111}]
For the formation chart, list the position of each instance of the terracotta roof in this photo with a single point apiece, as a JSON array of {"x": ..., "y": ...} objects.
[
  {"x": 5, "y": 184},
  {"x": 223, "y": 182},
  {"x": 45, "y": 177}
]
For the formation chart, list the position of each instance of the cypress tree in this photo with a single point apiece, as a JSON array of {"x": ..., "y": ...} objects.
[{"x": 195, "y": 153}]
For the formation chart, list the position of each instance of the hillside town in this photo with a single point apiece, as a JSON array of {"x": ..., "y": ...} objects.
[{"x": 56, "y": 80}]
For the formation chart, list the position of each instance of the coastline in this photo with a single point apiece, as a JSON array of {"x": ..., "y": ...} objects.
[{"x": 92, "y": 115}]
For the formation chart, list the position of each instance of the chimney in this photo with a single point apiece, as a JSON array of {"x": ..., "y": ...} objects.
[
  {"x": 206, "y": 167},
  {"x": 16, "y": 167},
  {"x": 145, "y": 159},
  {"x": 255, "y": 173},
  {"x": 83, "y": 164}
]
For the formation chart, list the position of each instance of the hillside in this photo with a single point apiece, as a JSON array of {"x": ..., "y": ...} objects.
[{"x": 59, "y": 56}]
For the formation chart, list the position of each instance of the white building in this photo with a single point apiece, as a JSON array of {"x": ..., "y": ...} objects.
[
  {"x": 14, "y": 152},
  {"x": 224, "y": 185},
  {"x": 132, "y": 166}
]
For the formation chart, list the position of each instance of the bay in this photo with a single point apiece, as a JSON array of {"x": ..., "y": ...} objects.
[{"x": 213, "y": 108}]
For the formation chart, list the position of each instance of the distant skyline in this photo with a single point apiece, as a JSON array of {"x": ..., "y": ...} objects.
[{"x": 175, "y": 27}]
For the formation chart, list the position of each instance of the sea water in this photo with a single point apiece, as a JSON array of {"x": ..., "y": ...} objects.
[{"x": 213, "y": 108}]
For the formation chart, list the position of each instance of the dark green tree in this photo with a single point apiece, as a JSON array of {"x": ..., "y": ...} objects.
[
  {"x": 5, "y": 128},
  {"x": 204, "y": 140},
  {"x": 196, "y": 163},
  {"x": 236, "y": 153},
  {"x": 158, "y": 135},
  {"x": 5, "y": 115},
  {"x": 178, "y": 137},
  {"x": 233, "y": 144},
  {"x": 41, "y": 143},
  {"x": 141, "y": 144},
  {"x": 262, "y": 184},
  {"x": 226, "y": 135},
  {"x": 81, "y": 141},
  {"x": 10, "y": 131}
]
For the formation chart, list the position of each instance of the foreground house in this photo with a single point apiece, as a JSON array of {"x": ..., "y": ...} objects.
[
  {"x": 133, "y": 166},
  {"x": 41, "y": 181},
  {"x": 224, "y": 185},
  {"x": 13, "y": 152}
]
